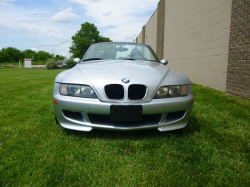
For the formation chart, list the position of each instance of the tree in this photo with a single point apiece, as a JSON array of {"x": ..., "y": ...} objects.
[
  {"x": 42, "y": 56},
  {"x": 104, "y": 39},
  {"x": 86, "y": 36},
  {"x": 10, "y": 54},
  {"x": 4, "y": 57},
  {"x": 59, "y": 57},
  {"x": 28, "y": 53}
]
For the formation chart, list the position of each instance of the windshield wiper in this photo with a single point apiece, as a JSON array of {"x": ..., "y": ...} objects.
[
  {"x": 140, "y": 59},
  {"x": 130, "y": 59},
  {"x": 89, "y": 59}
]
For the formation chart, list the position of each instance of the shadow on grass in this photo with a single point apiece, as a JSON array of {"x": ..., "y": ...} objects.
[{"x": 192, "y": 127}]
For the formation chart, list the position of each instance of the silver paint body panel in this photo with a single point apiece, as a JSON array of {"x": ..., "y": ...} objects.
[{"x": 99, "y": 73}]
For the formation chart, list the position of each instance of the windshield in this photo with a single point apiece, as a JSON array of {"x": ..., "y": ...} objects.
[{"x": 120, "y": 51}]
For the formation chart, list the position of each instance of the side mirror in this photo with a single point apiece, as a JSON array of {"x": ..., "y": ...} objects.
[
  {"x": 164, "y": 62},
  {"x": 77, "y": 60}
]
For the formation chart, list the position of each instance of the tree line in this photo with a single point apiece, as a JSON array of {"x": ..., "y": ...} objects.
[{"x": 11, "y": 54}]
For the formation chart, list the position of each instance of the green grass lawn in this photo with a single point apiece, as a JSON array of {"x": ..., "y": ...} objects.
[{"x": 213, "y": 150}]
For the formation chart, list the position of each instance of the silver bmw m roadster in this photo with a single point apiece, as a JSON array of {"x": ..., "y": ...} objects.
[{"x": 122, "y": 86}]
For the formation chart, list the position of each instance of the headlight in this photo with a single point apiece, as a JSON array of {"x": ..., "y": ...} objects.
[
  {"x": 171, "y": 91},
  {"x": 77, "y": 91}
]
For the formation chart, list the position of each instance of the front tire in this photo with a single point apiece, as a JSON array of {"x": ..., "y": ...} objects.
[{"x": 56, "y": 121}]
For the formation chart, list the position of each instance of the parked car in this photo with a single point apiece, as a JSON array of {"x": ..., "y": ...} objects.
[{"x": 122, "y": 86}]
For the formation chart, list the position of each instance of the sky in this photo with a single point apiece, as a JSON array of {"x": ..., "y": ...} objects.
[{"x": 49, "y": 25}]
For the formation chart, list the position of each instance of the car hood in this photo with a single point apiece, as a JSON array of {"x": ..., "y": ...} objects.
[
  {"x": 97, "y": 74},
  {"x": 109, "y": 72}
]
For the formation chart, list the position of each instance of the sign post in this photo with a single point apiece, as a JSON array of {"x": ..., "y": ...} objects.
[{"x": 19, "y": 63}]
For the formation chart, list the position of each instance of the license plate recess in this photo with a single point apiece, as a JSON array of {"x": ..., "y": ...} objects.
[{"x": 126, "y": 113}]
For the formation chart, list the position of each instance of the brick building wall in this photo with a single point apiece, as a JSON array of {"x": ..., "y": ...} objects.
[
  {"x": 208, "y": 40},
  {"x": 238, "y": 72},
  {"x": 143, "y": 34},
  {"x": 139, "y": 38},
  {"x": 151, "y": 31},
  {"x": 160, "y": 29},
  {"x": 196, "y": 39}
]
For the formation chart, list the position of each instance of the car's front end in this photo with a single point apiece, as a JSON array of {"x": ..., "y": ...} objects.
[
  {"x": 123, "y": 95},
  {"x": 85, "y": 114}
]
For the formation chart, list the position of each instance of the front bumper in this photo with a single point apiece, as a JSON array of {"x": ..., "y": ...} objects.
[{"x": 86, "y": 106}]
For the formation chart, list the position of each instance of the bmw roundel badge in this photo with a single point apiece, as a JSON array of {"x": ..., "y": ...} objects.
[{"x": 125, "y": 80}]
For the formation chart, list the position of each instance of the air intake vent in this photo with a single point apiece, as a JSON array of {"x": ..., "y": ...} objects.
[
  {"x": 105, "y": 120},
  {"x": 137, "y": 92},
  {"x": 114, "y": 91}
]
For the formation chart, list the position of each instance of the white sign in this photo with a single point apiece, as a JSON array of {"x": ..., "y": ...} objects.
[{"x": 27, "y": 63}]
